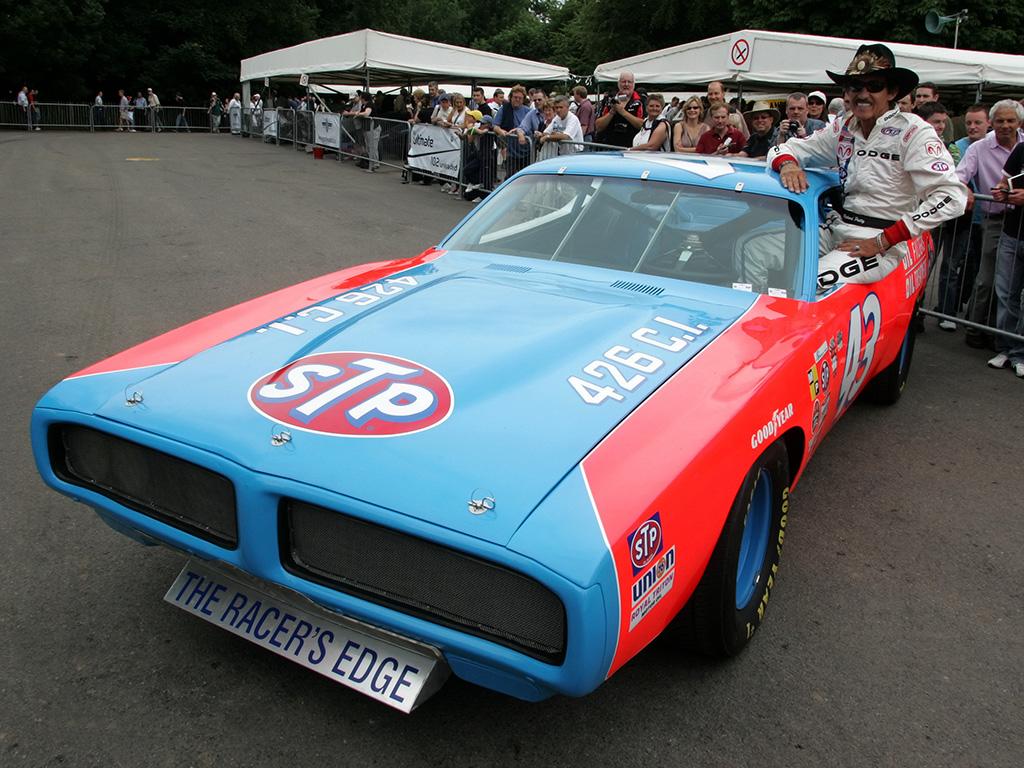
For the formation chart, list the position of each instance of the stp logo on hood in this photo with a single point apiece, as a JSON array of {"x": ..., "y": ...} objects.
[
  {"x": 354, "y": 394},
  {"x": 645, "y": 543}
]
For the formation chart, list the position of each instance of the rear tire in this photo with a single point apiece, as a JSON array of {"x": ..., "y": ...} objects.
[
  {"x": 729, "y": 603},
  {"x": 888, "y": 385}
]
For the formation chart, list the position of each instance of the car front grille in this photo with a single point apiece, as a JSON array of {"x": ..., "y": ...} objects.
[
  {"x": 172, "y": 490},
  {"x": 424, "y": 579}
]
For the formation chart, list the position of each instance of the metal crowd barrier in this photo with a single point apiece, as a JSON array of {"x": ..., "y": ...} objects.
[
  {"x": 978, "y": 283},
  {"x": 110, "y": 117}
]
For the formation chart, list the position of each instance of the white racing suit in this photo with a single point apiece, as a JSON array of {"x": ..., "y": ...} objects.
[{"x": 899, "y": 180}]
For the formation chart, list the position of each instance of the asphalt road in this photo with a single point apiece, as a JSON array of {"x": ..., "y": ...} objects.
[{"x": 894, "y": 637}]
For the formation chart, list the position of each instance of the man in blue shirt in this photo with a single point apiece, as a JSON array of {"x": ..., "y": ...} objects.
[{"x": 510, "y": 116}]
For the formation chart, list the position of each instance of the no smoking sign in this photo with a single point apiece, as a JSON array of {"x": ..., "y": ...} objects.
[{"x": 739, "y": 52}]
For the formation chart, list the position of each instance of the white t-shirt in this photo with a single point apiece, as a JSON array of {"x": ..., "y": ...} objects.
[
  {"x": 441, "y": 114},
  {"x": 571, "y": 127}
]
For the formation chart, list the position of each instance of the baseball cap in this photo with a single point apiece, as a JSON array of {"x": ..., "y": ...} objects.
[{"x": 817, "y": 95}]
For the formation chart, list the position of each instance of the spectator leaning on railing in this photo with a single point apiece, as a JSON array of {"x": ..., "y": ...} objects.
[
  {"x": 564, "y": 126},
  {"x": 508, "y": 117},
  {"x": 443, "y": 111},
  {"x": 532, "y": 128},
  {"x": 1010, "y": 265},
  {"x": 983, "y": 164},
  {"x": 458, "y": 109},
  {"x": 655, "y": 135}
]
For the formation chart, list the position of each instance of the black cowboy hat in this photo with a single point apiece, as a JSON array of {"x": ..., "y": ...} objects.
[{"x": 876, "y": 59}]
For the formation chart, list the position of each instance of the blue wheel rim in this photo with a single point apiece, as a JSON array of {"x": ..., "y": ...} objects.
[{"x": 754, "y": 546}]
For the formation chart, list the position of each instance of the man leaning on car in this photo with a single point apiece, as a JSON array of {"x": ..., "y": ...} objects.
[{"x": 898, "y": 182}]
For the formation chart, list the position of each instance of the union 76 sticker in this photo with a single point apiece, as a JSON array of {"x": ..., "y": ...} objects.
[{"x": 353, "y": 394}]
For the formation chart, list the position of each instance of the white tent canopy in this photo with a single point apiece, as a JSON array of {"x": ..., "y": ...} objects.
[
  {"x": 378, "y": 58},
  {"x": 772, "y": 59}
]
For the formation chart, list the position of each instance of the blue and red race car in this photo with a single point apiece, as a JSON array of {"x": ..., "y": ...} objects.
[{"x": 517, "y": 457}]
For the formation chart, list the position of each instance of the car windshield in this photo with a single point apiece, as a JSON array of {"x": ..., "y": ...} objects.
[{"x": 718, "y": 237}]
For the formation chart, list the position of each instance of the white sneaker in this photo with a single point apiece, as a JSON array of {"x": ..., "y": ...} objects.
[
  {"x": 999, "y": 361},
  {"x": 1018, "y": 370},
  {"x": 947, "y": 325}
]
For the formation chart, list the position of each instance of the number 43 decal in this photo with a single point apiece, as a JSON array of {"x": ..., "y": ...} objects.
[{"x": 865, "y": 320}]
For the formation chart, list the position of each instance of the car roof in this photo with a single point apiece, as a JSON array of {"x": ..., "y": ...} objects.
[{"x": 701, "y": 170}]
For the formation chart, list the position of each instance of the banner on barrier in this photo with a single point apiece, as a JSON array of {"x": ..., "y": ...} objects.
[
  {"x": 435, "y": 149},
  {"x": 270, "y": 122},
  {"x": 327, "y": 127}
]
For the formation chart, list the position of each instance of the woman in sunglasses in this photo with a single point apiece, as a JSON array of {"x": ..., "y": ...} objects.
[
  {"x": 690, "y": 126},
  {"x": 896, "y": 173}
]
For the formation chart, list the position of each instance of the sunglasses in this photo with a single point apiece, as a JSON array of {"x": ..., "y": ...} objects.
[
  {"x": 689, "y": 108},
  {"x": 873, "y": 86}
]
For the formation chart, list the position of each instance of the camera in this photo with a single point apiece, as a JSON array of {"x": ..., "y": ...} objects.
[
  {"x": 622, "y": 97},
  {"x": 793, "y": 128}
]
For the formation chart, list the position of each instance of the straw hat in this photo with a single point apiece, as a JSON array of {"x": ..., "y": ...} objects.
[{"x": 762, "y": 106}]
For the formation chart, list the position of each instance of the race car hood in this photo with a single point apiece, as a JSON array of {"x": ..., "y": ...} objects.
[{"x": 483, "y": 378}]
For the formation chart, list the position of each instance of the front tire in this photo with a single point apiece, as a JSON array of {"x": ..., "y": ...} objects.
[{"x": 729, "y": 603}]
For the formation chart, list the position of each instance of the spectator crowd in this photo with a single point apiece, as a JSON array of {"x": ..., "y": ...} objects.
[{"x": 981, "y": 264}]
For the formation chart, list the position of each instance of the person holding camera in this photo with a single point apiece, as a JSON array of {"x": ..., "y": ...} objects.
[
  {"x": 896, "y": 175},
  {"x": 797, "y": 124},
  {"x": 621, "y": 114}
]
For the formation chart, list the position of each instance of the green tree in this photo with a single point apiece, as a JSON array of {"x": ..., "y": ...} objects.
[{"x": 990, "y": 26}]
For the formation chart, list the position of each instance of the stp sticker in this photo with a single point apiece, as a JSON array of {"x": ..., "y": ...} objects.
[
  {"x": 940, "y": 166},
  {"x": 645, "y": 543},
  {"x": 353, "y": 394}
]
